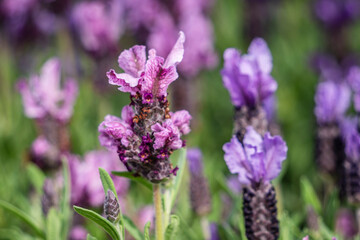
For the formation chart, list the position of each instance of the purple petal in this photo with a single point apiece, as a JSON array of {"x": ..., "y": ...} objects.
[
  {"x": 259, "y": 49},
  {"x": 127, "y": 114},
  {"x": 126, "y": 82},
  {"x": 132, "y": 61},
  {"x": 253, "y": 142},
  {"x": 70, "y": 92},
  {"x": 32, "y": 106},
  {"x": 181, "y": 119},
  {"x": 354, "y": 81},
  {"x": 332, "y": 100},
  {"x": 275, "y": 150},
  {"x": 168, "y": 134},
  {"x": 267, "y": 86},
  {"x": 236, "y": 160},
  {"x": 40, "y": 146},
  {"x": 177, "y": 52}
]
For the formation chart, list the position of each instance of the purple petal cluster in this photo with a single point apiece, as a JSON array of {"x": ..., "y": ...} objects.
[
  {"x": 247, "y": 77},
  {"x": 332, "y": 99},
  {"x": 99, "y": 26},
  {"x": 195, "y": 158},
  {"x": 43, "y": 96},
  {"x": 349, "y": 127},
  {"x": 354, "y": 81},
  {"x": 147, "y": 133},
  {"x": 86, "y": 187},
  {"x": 257, "y": 159}
]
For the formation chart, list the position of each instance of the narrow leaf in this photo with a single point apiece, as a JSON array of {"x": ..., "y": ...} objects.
[
  {"x": 53, "y": 225},
  {"x": 147, "y": 231},
  {"x": 172, "y": 229},
  {"x": 107, "y": 182},
  {"x": 132, "y": 229},
  {"x": 130, "y": 176},
  {"x": 181, "y": 162},
  {"x": 36, "y": 176},
  {"x": 309, "y": 195},
  {"x": 89, "y": 237},
  {"x": 23, "y": 216},
  {"x": 102, "y": 222}
]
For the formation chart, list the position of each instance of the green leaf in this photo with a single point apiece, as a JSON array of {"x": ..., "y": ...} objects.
[
  {"x": 36, "y": 176},
  {"x": 172, "y": 229},
  {"x": 147, "y": 231},
  {"x": 130, "y": 176},
  {"x": 102, "y": 222},
  {"x": 309, "y": 195},
  {"x": 107, "y": 182},
  {"x": 23, "y": 216},
  {"x": 89, "y": 237},
  {"x": 132, "y": 229},
  {"x": 181, "y": 162},
  {"x": 65, "y": 211},
  {"x": 53, "y": 225}
]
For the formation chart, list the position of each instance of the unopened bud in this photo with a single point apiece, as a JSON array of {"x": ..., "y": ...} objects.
[{"x": 111, "y": 207}]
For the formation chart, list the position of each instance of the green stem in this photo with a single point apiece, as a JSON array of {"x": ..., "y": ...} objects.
[{"x": 159, "y": 231}]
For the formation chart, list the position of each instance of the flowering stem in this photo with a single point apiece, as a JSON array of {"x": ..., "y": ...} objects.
[{"x": 159, "y": 232}]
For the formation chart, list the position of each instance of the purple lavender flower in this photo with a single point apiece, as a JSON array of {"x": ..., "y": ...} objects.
[
  {"x": 345, "y": 223},
  {"x": 146, "y": 136},
  {"x": 257, "y": 159},
  {"x": 332, "y": 100},
  {"x": 200, "y": 198},
  {"x": 99, "y": 26},
  {"x": 247, "y": 77},
  {"x": 351, "y": 178},
  {"x": 43, "y": 97},
  {"x": 86, "y": 186},
  {"x": 354, "y": 81},
  {"x": 145, "y": 214},
  {"x": 335, "y": 13}
]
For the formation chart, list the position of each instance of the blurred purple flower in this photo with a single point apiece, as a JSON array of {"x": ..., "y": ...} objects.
[
  {"x": 257, "y": 159},
  {"x": 247, "y": 77},
  {"x": 78, "y": 233},
  {"x": 42, "y": 95},
  {"x": 214, "y": 233},
  {"x": 332, "y": 99},
  {"x": 354, "y": 81},
  {"x": 13, "y": 8},
  {"x": 98, "y": 26},
  {"x": 195, "y": 158},
  {"x": 345, "y": 223},
  {"x": 145, "y": 214},
  {"x": 86, "y": 185},
  {"x": 335, "y": 13},
  {"x": 349, "y": 127},
  {"x": 270, "y": 107},
  {"x": 234, "y": 184}
]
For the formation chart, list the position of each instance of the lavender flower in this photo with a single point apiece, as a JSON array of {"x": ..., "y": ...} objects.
[
  {"x": 78, "y": 233},
  {"x": 247, "y": 77},
  {"x": 257, "y": 161},
  {"x": 354, "y": 81},
  {"x": 200, "y": 198},
  {"x": 352, "y": 161},
  {"x": 111, "y": 207},
  {"x": 345, "y": 223},
  {"x": 43, "y": 97},
  {"x": 86, "y": 186},
  {"x": 98, "y": 26},
  {"x": 145, "y": 214},
  {"x": 147, "y": 134}
]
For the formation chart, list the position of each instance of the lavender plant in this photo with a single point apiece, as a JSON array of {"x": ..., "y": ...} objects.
[
  {"x": 248, "y": 80},
  {"x": 257, "y": 161}
]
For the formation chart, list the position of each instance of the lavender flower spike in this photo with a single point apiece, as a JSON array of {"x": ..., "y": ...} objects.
[
  {"x": 257, "y": 161},
  {"x": 148, "y": 132},
  {"x": 354, "y": 81},
  {"x": 42, "y": 95},
  {"x": 247, "y": 77}
]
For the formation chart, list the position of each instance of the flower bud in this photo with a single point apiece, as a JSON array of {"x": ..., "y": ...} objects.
[{"x": 111, "y": 207}]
